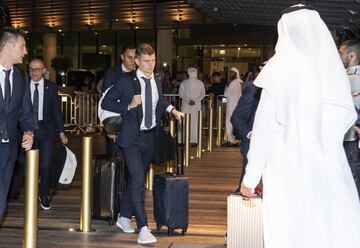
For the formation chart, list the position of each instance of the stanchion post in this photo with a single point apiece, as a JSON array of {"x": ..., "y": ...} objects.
[
  {"x": 211, "y": 129},
  {"x": 31, "y": 199},
  {"x": 86, "y": 211},
  {"x": 151, "y": 177},
  {"x": 199, "y": 138},
  {"x": 219, "y": 126},
  {"x": 147, "y": 183},
  {"x": 187, "y": 140}
]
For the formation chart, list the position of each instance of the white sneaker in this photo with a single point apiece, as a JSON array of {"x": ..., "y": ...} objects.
[
  {"x": 125, "y": 225},
  {"x": 145, "y": 236}
]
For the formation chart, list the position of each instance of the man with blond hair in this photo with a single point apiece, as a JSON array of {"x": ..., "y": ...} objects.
[{"x": 138, "y": 98}]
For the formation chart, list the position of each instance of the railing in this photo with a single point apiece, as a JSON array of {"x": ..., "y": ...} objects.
[{"x": 80, "y": 113}]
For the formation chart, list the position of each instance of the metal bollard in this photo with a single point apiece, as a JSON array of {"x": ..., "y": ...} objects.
[
  {"x": 86, "y": 209},
  {"x": 199, "y": 140},
  {"x": 211, "y": 129},
  {"x": 225, "y": 136},
  {"x": 219, "y": 124},
  {"x": 150, "y": 178},
  {"x": 170, "y": 164},
  {"x": 31, "y": 199},
  {"x": 187, "y": 140}
]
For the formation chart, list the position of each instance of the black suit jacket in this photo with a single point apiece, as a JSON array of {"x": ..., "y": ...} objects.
[
  {"x": 51, "y": 108},
  {"x": 111, "y": 76},
  {"x": 243, "y": 116},
  {"x": 19, "y": 110},
  {"x": 117, "y": 100}
]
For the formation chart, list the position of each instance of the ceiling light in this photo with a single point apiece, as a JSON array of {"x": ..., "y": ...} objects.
[{"x": 216, "y": 9}]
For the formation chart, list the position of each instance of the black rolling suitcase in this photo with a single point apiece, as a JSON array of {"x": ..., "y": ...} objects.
[
  {"x": 171, "y": 202},
  {"x": 171, "y": 199},
  {"x": 108, "y": 187}
]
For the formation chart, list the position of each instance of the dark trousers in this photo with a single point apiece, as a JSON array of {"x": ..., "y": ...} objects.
[
  {"x": 244, "y": 149},
  {"x": 44, "y": 140},
  {"x": 353, "y": 156},
  {"x": 137, "y": 158},
  {"x": 7, "y": 162}
]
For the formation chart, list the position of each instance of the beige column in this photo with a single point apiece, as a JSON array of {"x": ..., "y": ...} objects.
[
  {"x": 49, "y": 41},
  {"x": 164, "y": 48}
]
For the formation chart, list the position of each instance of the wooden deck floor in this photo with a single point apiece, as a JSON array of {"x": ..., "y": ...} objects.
[{"x": 211, "y": 179}]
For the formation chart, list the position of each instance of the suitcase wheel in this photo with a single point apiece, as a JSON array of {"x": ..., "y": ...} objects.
[
  {"x": 170, "y": 231},
  {"x": 158, "y": 227},
  {"x": 183, "y": 231}
]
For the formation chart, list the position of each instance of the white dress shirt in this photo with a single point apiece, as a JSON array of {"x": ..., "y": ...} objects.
[
  {"x": 124, "y": 70},
  {"x": 2, "y": 79},
  {"x": 155, "y": 98},
  {"x": 41, "y": 96}
]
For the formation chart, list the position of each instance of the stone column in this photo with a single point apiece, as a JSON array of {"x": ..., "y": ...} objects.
[
  {"x": 49, "y": 41},
  {"x": 164, "y": 48}
]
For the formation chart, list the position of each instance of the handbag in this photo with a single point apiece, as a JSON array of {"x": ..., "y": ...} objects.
[
  {"x": 164, "y": 149},
  {"x": 65, "y": 167}
]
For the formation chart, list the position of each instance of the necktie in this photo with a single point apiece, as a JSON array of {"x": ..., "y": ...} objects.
[
  {"x": 148, "y": 103},
  {"x": 36, "y": 104},
  {"x": 7, "y": 89}
]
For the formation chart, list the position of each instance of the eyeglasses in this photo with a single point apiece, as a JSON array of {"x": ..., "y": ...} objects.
[{"x": 36, "y": 70}]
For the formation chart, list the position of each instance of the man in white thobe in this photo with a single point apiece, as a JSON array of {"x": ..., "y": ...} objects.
[
  {"x": 310, "y": 198},
  {"x": 232, "y": 94},
  {"x": 192, "y": 91}
]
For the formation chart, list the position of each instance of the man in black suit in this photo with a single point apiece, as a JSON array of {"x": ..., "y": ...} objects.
[
  {"x": 138, "y": 98},
  {"x": 48, "y": 122},
  {"x": 127, "y": 65},
  {"x": 15, "y": 106},
  {"x": 242, "y": 120},
  {"x": 110, "y": 77}
]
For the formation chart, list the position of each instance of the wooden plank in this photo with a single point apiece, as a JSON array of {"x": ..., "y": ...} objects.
[{"x": 212, "y": 178}]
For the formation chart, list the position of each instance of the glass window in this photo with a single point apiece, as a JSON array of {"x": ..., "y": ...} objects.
[
  {"x": 88, "y": 50},
  {"x": 36, "y": 48},
  {"x": 107, "y": 48},
  {"x": 145, "y": 36},
  {"x": 71, "y": 47},
  {"x": 187, "y": 51},
  {"x": 184, "y": 33},
  {"x": 124, "y": 37}
]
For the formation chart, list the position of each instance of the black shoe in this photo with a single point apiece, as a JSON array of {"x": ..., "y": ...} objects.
[{"x": 44, "y": 202}]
